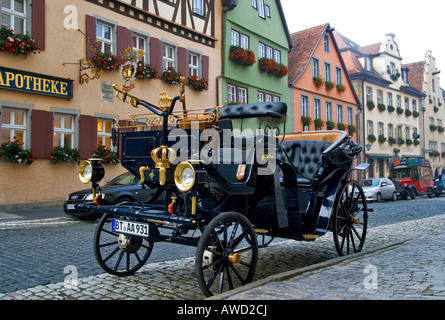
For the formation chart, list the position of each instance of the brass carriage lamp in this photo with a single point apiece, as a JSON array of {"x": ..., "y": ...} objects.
[{"x": 92, "y": 170}]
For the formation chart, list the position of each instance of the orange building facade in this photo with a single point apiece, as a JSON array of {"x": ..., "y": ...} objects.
[{"x": 321, "y": 91}]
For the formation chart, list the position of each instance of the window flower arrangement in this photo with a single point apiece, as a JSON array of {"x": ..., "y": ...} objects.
[
  {"x": 381, "y": 107},
  {"x": 399, "y": 110},
  {"x": 440, "y": 129},
  {"x": 341, "y": 88},
  {"x": 318, "y": 81},
  {"x": 330, "y": 125},
  {"x": 272, "y": 67},
  {"x": 370, "y": 104},
  {"x": 106, "y": 61},
  {"x": 391, "y": 109},
  {"x": 416, "y": 142},
  {"x": 433, "y": 127},
  {"x": 65, "y": 154},
  {"x": 241, "y": 56},
  {"x": 382, "y": 138},
  {"x": 416, "y": 114},
  {"x": 409, "y": 142},
  {"x": 198, "y": 84},
  {"x": 435, "y": 153},
  {"x": 170, "y": 76},
  {"x": 351, "y": 129},
  {"x": 319, "y": 123},
  {"x": 329, "y": 85},
  {"x": 307, "y": 121},
  {"x": 14, "y": 151},
  {"x": 108, "y": 156},
  {"x": 408, "y": 112},
  {"x": 18, "y": 44},
  {"x": 400, "y": 141},
  {"x": 341, "y": 126},
  {"x": 145, "y": 71},
  {"x": 371, "y": 138},
  {"x": 392, "y": 140}
]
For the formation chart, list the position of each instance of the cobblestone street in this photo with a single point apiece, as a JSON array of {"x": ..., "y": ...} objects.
[{"x": 409, "y": 270}]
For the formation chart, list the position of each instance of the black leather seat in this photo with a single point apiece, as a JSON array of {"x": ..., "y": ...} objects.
[{"x": 305, "y": 156}]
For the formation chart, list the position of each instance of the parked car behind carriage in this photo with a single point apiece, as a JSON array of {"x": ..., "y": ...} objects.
[
  {"x": 378, "y": 189},
  {"x": 123, "y": 188},
  {"x": 439, "y": 185}
]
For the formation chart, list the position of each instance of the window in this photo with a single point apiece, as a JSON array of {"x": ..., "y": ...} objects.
[
  {"x": 315, "y": 68},
  {"x": 261, "y": 11},
  {"x": 407, "y": 133},
  {"x": 338, "y": 76},
  {"x": 399, "y": 132},
  {"x": 261, "y": 50},
  {"x": 198, "y": 7},
  {"x": 267, "y": 97},
  {"x": 104, "y": 35},
  {"x": 317, "y": 109},
  {"x": 368, "y": 64},
  {"x": 432, "y": 145},
  {"x": 439, "y": 122},
  {"x": 267, "y": 10},
  {"x": 328, "y": 111},
  {"x": 104, "y": 127},
  {"x": 392, "y": 68},
  {"x": 350, "y": 115},
  {"x": 13, "y": 124},
  {"x": 389, "y": 99},
  {"x": 168, "y": 56},
  {"x": 244, "y": 42},
  {"x": 236, "y": 94},
  {"x": 398, "y": 102},
  {"x": 140, "y": 45},
  {"x": 304, "y": 106},
  {"x": 269, "y": 52},
  {"x": 194, "y": 64},
  {"x": 370, "y": 128},
  {"x": 63, "y": 130},
  {"x": 406, "y": 103},
  {"x": 327, "y": 72},
  {"x": 326, "y": 43},
  {"x": 234, "y": 38},
  {"x": 431, "y": 121},
  {"x": 379, "y": 96},
  {"x": 339, "y": 113},
  {"x": 380, "y": 128},
  {"x": 14, "y": 15},
  {"x": 390, "y": 131},
  {"x": 277, "y": 55},
  {"x": 368, "y": 94},
  {"x": 254, "y": 3},
  {"x": 414, "y": 105}
]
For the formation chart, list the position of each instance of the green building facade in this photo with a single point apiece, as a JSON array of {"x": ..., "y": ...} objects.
[{"x": 256, "y": 43}]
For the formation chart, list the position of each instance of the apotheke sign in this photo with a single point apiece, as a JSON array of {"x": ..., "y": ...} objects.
[{"x": 35, "y": 83}]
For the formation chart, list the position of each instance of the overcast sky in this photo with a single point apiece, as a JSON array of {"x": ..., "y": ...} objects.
[{"x": 367, "y": 22}]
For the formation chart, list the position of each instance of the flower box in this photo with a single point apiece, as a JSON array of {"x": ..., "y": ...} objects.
[
  {"x": 198, "y": 84},
  {"x": 329, "y": 85},
  {"x": 318, "y": 81},
  {"x": 372, "y": 138},
  {"x": 341, "y": 126},
  {"x": 18, "y": 44},
  {"x": 14, "y": 152},
  {"x": 307, "y": 121},
  {"x": 319, "y": 123},
  {"x": 145, "y": 71},
  {"x": 341, "y": 88},
  {"x": 108, "y": 156},
  {"x": 241, "y": 56},
  {"x": 272, "y": 67},
  {"x": 370, "y": 104},
  {"x": 170, "y": 76},
  {"x": 65, "y": 154},
  {"x": 106, "y": 61}
]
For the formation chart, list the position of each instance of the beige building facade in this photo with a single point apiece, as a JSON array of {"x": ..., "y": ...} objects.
[
  {"x": 392, "y": 121},
  {"x": 43, "y": 104},
  {"x": 424, "y": 75}
]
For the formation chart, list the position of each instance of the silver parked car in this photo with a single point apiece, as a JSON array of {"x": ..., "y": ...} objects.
[{"x": 378, "y": 189}]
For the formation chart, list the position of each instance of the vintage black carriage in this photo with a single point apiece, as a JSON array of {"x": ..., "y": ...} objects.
[{"x": 226, "y": 192}]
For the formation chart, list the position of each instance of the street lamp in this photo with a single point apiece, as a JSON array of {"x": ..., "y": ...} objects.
[{"x": 368, "y": 147}]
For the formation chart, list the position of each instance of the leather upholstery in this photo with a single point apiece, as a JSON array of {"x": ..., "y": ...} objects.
[
  {"x": 255, "y": 110},
  {"x": 305, "y": 155}
]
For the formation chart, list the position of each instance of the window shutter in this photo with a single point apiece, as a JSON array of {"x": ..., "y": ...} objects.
[
  {"x": 156, "y": 55},
  {"x": 124, "y": 40},
  {"x": 38, "y": 23},
  {"x": 42, "y": 133},
  {"x": 183, "y": 63},
  {"x": 87, "y": 136},
  {"x": 205, "y": 67},
  {"x": 90, "y": 30}
]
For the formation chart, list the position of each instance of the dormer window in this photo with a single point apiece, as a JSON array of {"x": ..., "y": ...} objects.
[
  {"x": 405, "y": 75},
  {"x": 368, "y": 64}
]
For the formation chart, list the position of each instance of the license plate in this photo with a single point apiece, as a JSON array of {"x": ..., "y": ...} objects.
[
  {"x": 70, "y": 207},
  {"x": 138, "y": 229}
]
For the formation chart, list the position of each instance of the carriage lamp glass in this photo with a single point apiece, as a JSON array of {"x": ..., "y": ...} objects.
[
  {"x": 91, "y": 170},
  {"x": 184, "y": 176}
]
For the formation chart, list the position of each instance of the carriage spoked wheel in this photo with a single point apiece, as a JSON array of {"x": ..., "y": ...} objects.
[
  {"x": 350, "y": 219},
  {"x": 227, "y": 254},
  {"x": 119, "y": 254}
]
